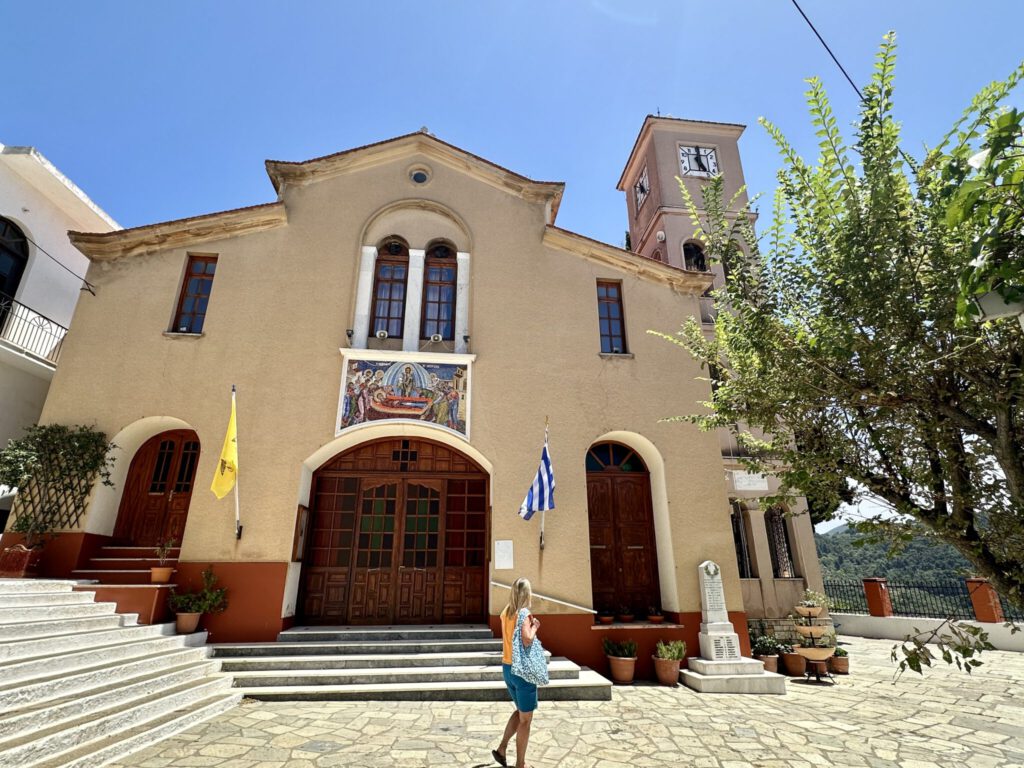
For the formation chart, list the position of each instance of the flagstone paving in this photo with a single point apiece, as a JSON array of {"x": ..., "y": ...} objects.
[{"x": 945, "y": 719}]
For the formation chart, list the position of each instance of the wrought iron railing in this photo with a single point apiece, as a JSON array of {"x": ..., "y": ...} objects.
[
  {"x": 937, "y": 599},
  {"x": 1011, "y": 612},
  {"x": 29, "y": 331},
  {"x": 846, "y": 595}
]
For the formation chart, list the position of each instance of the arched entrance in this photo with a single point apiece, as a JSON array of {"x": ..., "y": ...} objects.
[
  {"x": 158, "y": 489},
  {"x": 398, "y": 534},
  {"x": 623, "y": 554}
]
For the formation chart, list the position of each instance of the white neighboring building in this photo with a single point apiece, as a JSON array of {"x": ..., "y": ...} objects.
[{"x": 38, "y": 205}]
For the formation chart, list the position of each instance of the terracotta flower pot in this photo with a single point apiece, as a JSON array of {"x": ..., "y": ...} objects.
[
  {"x": 794, "y": 664},
  {"x": 840, "y": 665},
  {"x": 625, "y": 618},
  {"x": 160, "y": 574},
  {"x": 814, "y": 653},
  {"x": 667, "y": 670},
  {"x": 809, "y": 611},
  {"x": 622, "y": 669},
  {"x": 656, "y": 619},
  {"x": 186, "y": 623},
  {"x": 771, "y": 663},
  {"x": 606, "y": 619},
  {"x": 19, "y": 561}
]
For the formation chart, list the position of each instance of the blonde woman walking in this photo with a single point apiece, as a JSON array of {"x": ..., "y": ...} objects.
[{"x": 523, "y": 693}]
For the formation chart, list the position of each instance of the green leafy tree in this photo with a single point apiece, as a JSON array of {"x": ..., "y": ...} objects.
[{"x": 839, "y": 352}]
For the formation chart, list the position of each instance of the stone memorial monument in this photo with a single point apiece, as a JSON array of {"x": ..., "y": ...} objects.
[{"x": 720, "y": 668}]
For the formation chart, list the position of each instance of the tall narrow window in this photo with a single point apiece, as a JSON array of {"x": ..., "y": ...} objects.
[
  {"x": 195, "y": 294},
  {"x": 739, "y": 539},
  {"x": 778, "y": 544},
  {"x": 609, "y": 313},
  {"x": 389, "y": 283},
  {"x": 438, "y": 311},
  {"x": 693, "y": 258},
  {"x": 13, "y": 257}
]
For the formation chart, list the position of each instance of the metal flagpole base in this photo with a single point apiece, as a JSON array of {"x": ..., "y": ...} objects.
[{"x": 238, "y": 530}]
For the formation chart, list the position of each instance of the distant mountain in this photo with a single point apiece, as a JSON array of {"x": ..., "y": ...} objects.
[{"x": 924, "y": 559}]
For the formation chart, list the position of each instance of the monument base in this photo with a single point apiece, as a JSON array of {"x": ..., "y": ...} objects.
[
  {"x": 760, "y": 682},
  {"x": 726, "y": 666}
]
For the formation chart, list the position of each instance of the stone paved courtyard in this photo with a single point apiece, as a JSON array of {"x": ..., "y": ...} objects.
[{"x": 945, "y": 719}]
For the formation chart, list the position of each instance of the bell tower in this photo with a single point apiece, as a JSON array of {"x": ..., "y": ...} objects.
[{"x": 693, "y": 150}]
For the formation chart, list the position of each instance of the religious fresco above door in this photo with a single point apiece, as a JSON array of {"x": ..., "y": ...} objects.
[{"x": 420, "y": 390}]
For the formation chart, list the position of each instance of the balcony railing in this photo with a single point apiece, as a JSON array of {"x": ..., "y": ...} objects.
[{"x": 28, "y": 331}]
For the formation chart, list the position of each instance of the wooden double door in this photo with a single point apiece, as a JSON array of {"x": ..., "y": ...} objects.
[
  {"x": 158, "y": 490},
  {"x": 623, "y": 554},
  {"x": 398, "y": 548}
]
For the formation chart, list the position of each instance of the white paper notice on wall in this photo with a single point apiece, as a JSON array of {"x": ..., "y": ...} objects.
[
  {"x": 748, "y": 481},
  {"x": 503, "y": 555}
]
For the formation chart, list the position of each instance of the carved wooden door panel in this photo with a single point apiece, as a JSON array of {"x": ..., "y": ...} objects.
[
  {"x": 465, "y": 550},
  {"x": 328, "y": 556},
  {"x": 604, "y": 565},
  {"x": 371, "y": 595},
  {"x": 634, "y": 528},
  {"x": 419, "y": 562},
  {"x": 158, "y": 489}
]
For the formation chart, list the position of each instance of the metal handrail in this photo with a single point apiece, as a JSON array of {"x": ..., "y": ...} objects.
[
  {"x": 30, "y": 331},
  {"x": 549, "y": 599}
]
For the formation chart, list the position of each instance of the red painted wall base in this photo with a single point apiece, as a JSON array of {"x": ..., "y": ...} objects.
[{"x": 255, "y": 596}]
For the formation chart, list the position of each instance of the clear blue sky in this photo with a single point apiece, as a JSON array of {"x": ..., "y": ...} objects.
[{"x": 164, "y": 110}]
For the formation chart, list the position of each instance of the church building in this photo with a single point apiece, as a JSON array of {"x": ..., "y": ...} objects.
[{"x": 400, "y": 324}]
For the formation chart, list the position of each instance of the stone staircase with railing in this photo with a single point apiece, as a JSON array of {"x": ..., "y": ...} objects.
[
  {"x": 411, "y": 663},
  {"x": 81, "y": 685}
]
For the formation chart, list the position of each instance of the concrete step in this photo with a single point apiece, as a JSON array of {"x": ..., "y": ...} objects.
[
  {"x": 53, "y": 627},
  {"x": 95, "y": 668},
  {"x": 130, "y": 563},
  {"x": 126, "y": 551},
  {"x": 355, "y": 661},
  {"x": 23, "y": 586},
  {"x": 558, "y": 669},
  {"x": 370, "y": 634},
  {"x": 45, "y": 598},
  {"x": 23, "y": 614},
  {"x": 335, "y": 649},
  {"x": 79, "y": 640},
  {"x": 590, "y": 686},
  {"x": 27, "y": 720},
  {"x": 112, "y": 576},
  {"x": 106, "y": 750},
  {"x": 52, "y": 743}
]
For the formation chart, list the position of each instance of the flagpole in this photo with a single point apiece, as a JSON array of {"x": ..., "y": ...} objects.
[
  {"x": 546, "y": 423},
  {"x": 238, "y": 523}
]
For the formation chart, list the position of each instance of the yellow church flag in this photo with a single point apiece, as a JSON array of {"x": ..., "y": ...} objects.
[{"x": 227, "y": 468}]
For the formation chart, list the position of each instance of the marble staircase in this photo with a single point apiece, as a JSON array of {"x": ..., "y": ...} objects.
[
  {"x": 412, "y": 663},
  {"x": 82, "y": 685}
]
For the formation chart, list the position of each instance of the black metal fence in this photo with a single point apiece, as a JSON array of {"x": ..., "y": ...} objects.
[
  {"x": 846, "y": 595},
  {"x": 937, "y": 599},
  {"x": 29, "y": 331},
  {"x": 1010, "y": 611}
]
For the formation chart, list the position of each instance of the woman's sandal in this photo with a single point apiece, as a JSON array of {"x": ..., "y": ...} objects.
[{"x": 502, "y": 761}]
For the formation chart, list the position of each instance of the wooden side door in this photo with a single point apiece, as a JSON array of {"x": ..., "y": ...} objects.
[
  {"x": 327, "y": 561},
  {"x": 634, "y": 528},
  {"x": 466, "y": 550},
  {"x": 180, "y": 496},
  {"x": 604, "y": 563},
  {"x": 419, "y": 561},
  {"x": 373, "y": 576}
]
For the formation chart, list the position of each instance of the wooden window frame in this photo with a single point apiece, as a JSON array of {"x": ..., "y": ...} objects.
[
  {"x": 386, "y": 259},
  {"x": 434, "y": 261},
  {"x": 622, "y": 348},
  {"x": 184, "y": 294}
]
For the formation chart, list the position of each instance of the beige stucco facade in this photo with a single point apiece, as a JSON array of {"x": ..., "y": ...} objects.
[{"x": 283, "y": 304}]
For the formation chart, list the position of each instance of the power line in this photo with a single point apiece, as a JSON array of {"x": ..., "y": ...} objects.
[
  {"x": 838, "y": 64},
  {"x": 86, "y": 285}
]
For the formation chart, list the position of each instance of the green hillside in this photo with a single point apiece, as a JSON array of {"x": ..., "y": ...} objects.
[{"x": 923, "y": 559}]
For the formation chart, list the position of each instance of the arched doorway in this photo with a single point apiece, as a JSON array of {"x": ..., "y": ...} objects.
[
  {"x": 398, "y": 534},
  {"x": 623, "y": 554},
  {"x": 158, "y": 489}
]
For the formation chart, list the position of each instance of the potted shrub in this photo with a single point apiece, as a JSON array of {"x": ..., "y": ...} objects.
[
  {"x": 793, "y": 663},
  {"x": 812, "y": 604},
  {"x": 605, "y": 615},
  {"x": 624, "y": 614},
  {"x": 766, "y": 648},
  {"x": 190, "y": 606},
  {"x": 654, "y": 615},
  {"x": 621, "y": 659},
  {"x": 161, "y": 574},
  {"x": 53, "y": 467},
  {"x": 667, "y": 658},
  {"x": 840, "y": 662}
]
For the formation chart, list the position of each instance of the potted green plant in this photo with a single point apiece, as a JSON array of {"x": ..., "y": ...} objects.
[
  {"x": 811, "y": 604},
  {"x": 161, "y": 574},
  {"x": 766, "y": 648},
  {"x": 793, "y": 663},
  {"x": 605, "y": 615},
  {"x": 622, "y": 660},
  {"x": 654, "y": 614},
  {"x": 624, "y": 614},
  {"x": 190, "y": 606},
  {"x": 840, "y": 662},
  {"x": 667, "y": 658}
]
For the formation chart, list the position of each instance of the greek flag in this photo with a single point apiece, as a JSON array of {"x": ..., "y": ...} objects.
[{"x": 541, "y": 496}]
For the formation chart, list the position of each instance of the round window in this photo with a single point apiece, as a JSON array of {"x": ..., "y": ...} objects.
[{"x": 419, "y": 175}]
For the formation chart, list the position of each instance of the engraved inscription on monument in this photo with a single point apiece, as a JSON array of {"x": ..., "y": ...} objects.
[{"x": 718, "y": 639}]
